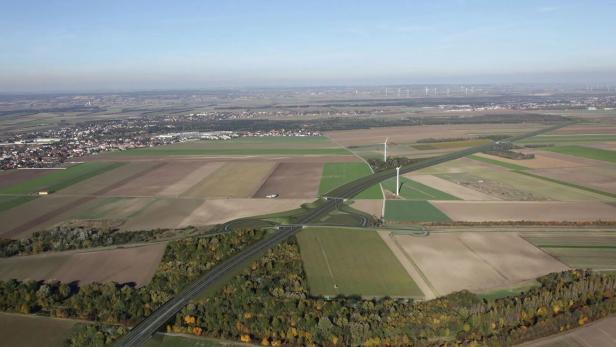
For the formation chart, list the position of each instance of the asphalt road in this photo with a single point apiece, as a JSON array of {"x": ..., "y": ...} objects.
[{"x": 142, "y": 331}]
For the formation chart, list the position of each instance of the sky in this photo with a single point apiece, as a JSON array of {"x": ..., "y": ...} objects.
[{"x": 51, "y": 45}]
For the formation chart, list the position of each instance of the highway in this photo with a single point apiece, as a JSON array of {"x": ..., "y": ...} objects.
[{"x": 142, "y": 331}]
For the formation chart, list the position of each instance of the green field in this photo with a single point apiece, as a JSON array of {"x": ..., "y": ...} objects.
[
  {"x": 581, "y": 250},
  {"x": 411, "y": 190},
  {"x": 450, "y": 144},
  {"x": 565, "y": 139},
  {"x": 585, "y": 152},
  {"x": 352, "y": 262},
  {"x": 8, "y": 202},
  {"x": 337, "y": 174},
  {"x": 413, "y": 211},
  {"x": 509, "y": 166},
  {"x": 61, "y": 178}
]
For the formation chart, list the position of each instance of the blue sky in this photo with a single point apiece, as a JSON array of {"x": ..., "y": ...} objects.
[{"x": 133, "y": 44}]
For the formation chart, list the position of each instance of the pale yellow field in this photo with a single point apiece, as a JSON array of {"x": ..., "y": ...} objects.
[
  {"x": 184, "y": 184},
  {"x": 449, "y": 187},
  {"x": 219, "y": 211},
  {"x": 233, "y": 180},
  {"x": 539, "y": 162},
  {"x": 477, "y": 261},
  {"x": 545, "y": 211}
]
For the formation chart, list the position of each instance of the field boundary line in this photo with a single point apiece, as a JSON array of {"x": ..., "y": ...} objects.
[
  {"x": 329, "y": 268},
  {"x": 567, "y": 184},
  {"x": 483, "y": 260}
]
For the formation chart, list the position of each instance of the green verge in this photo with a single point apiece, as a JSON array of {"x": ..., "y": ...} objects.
[
  {"x": 568, "y": 184},
  {"x": 61, "y": 178},
  {"x": 413, "y": 211},
  {"x": 337, "y": 174},
  {"x": 412, "y": 190},
  {"x": 585, "y": 152},
  {"x": 499, "y": 163},
  {"x": 352, "y": 262},
  {"x": 231, "y": 151}
]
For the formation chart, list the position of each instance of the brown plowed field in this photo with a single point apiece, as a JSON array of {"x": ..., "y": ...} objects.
[
  {"x": 477, "y": 261},
  {"x": 546, "y": 211},
  {"x": 411, "y": 134},
  {"x": 19, "y": 330},
  {"x": 123, "y": 265},
  {"x": 162, "y": 213},
  {"x": 12, "y": 177},
  {"x": 293, "y": 180},
  {"x": 108, "y": 181}
]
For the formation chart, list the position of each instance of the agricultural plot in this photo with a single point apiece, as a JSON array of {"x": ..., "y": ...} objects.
[
  {"x": 413, "y": 190},
  {"x": 123, "y": 265},
  {"x": 316, "y": 145},
  {"x": 160, "y": 340},
  {"x": 585, "y": 152},
  {"x": 595, "y": 177},
  {"x": 233, "y": 180},
  {"x": 29, "y": 331},
  {"x": 542, "y": 211},
  {"x": 540, "y": 161},
  {"x": 352, "y": 262},
  {"x": 337, "y": 174},
  {"x": 372, "y": 207},
  {"x": 113, "y": 208},
  {"x": 582, "y": 250},
  {"x": 596, "y": 334},
  {"x": 292, "y": 180},
  {"x": 411, "y": 134},
  {"x": 12, "y": 177},
  {"x": 413, "y": 211},
  {"x": 184, "y": 184},
  {"x": 162, "y": 213},
  {"x": 451, "y": 144},
  {"x": 568, "y": 139},
  {"x": 59, "y": 179},
  {"x": 9, "y": 201},
  {"x": 456, "y": 190},
  {"x": 219, "y": 211},
  {"x": 477, "y": 261}
]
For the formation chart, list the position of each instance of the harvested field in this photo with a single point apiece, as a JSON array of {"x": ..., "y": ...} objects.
[
  {"x": 545, "y": 211},
  {"x": 456, "y": 166},
  {"x": 182, "y": 185},
  {"x": 352, "y": 262},
  {"x": 162, "y": 213},
  {"x": 539, "y": 162},
  {"x": 223, "y": 210},
  {"x": 410, "y": 134},
  {"x": 233, "y": 180},
  {"x": 412, "y": 211},
  {"x": 113, "y": 208},
  {"x": 599, "y": 178},
  {"x": 30, "y": 331},
  {"x": 596, "y": 334},
  {"x": 123, "y": 265},
  {"x": 160, "y": 178},
  {"x": 13, "y": 177},
  {"x": 371, "y": 206},
  {"x": 451, "y": 188},
  {"x": 292, "y": 180},
  {"x": 475, "y": 261},
  {"x": 497, "y": 189}
]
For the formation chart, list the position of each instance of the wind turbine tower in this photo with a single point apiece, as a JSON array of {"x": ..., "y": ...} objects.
[
  {"x": 385, "y": 150},
  {"x": 386, "y": 92},
  {"x": 398, "y": 181},
  {"x": 427, "y": 90}
]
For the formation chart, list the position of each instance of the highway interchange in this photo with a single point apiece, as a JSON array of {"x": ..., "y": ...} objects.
[{"x": 147, "y": 327}]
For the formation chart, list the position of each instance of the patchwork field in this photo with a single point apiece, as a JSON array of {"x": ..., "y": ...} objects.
[
  {"x": 372, "y": 207},
  {"x": 162, "y": 213},
  {"x": 29, "y": 331},
  {"x": 540, "y": 161},
  {"x": 413, "y": 211},
  {"x": 308, "y": 145},
  {"x": 479, "y": 211},
  {"x": 13, "y": 177},
  {"x": 477, "y": 261},
  {"x": 411, "y": 134},
  {"x": 596, "y": 334},
  {"x": 352, "y": 262},
  {"x": 337, "y": 174},
  {"x": 218, "y": 211},
  {"x": 292, "y": 180},
  {"x": 456, "y": 190},
  {"x": 600, "y": 178},
  {"x": 584, "y": 249},
  {"x": 123, "y": 265},
  {"x": 184, "y": 184}
]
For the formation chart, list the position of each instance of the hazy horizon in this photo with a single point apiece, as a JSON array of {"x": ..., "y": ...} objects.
[{"x": 54, "y": 46}]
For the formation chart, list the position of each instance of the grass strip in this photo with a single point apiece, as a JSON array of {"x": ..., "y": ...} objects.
[{"x": 585, "y": 152}]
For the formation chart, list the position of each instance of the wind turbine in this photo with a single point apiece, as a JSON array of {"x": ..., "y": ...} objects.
[
  {"x": 398, "y": 181},
  {"x": 385, "y": 151}
]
